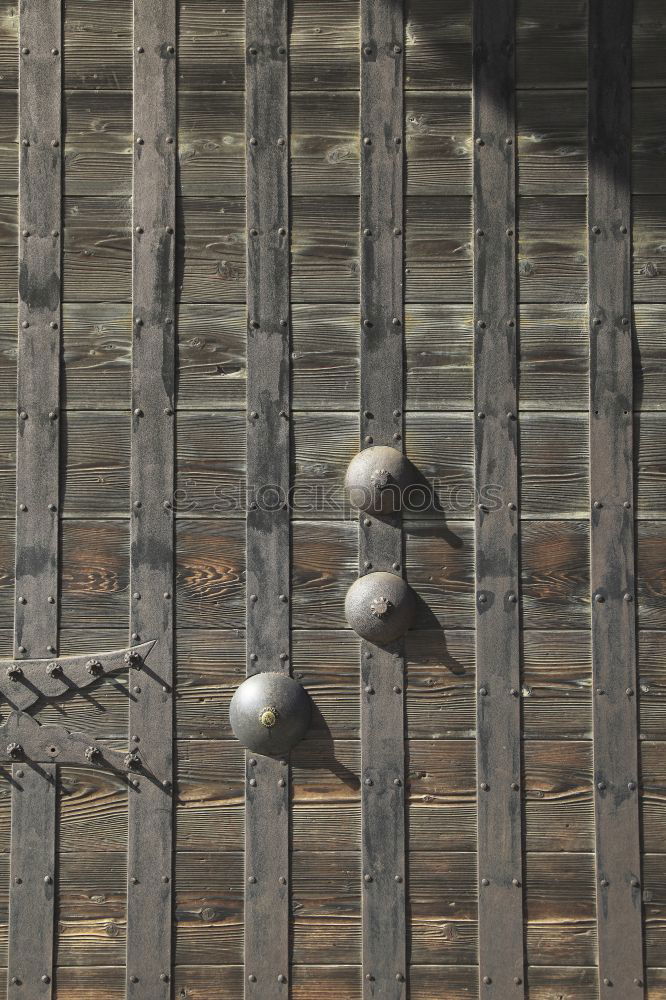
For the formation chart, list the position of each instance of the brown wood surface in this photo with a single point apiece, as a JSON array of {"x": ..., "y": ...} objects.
[{"x": 324, "y": 44}]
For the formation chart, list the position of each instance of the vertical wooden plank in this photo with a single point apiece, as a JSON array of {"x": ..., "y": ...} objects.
[
  {"x": 619, "y": 917},
  {"x": 381, "y": 543},
  {"x": 33, "y": 825},
  {"x": 149, "y": 868},
  {"x": 268, "y": 469},
  {"x": 501, "y": 952}
]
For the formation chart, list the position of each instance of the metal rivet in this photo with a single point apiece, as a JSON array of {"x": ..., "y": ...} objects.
[
  {"x": 164, "y": 978},
  {"x": 55, "y": 142},
  {"x": 482, "y": 599},
  {"x": 635, "y": 883},
  {"x": 139, "y": 141},
  {"x": 134, "y": 979},
  {"x": 367, "y": 141},
  {"x": 139, "y": 49},
  {"x": 23, "y": 415},
  {"x": 281, "y": 782},
  {"x": 599, "y": 598},
  {"x": 252, "y": 978},
  {"x": 397, "y": 782},
  {"x": 367, "y": 878},
  {"x": 631, "y": 785},
  {"x": 369, "y": 781},
  {"x": 483, "y": 691},
  {"x": 171, "y": 49},
  {"x": 515, "y": 882},
  {"x": 513, "y": 599},
  {"x": 485, "y": 786},
  {"x": 282, "y": 880},
  {"x": 281, "y": 142},
  {"x": 623, "y": 228},
  {"x": 608, "y": 982},
  {"x": 480, "y": 142},
  {"x": 399, "y": 976},
  {"x": 628, "y": 597},
  {"x": 397, "y": 689},
  {"x": 253, "y": 141},
  {"x": 596, "y": 230},
  {"x": 604, "y": 883},
  {"x": 598, "y": 504},
  {"x": 487, "y": 980},
  {"x": 47, "y": 880},
  {"x": 25, "y": 142},
  {"x": 481, "y": 415},
  {"x": 601, "y": 785},
  {"x": 629, "y": 692},
  {"x": 283, "y": 598},
  {"x": 22, "y": 507},
  {"x": 282, "y": 979},
  {"x": 25, "y": 51},
  {"x": 397, "y": 878}
]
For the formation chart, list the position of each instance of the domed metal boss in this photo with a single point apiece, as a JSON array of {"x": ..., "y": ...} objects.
[
  {"x": 376, "y": 479},
  {"x": 380, "y": 607},
  {"x": 270, "y": 713}
]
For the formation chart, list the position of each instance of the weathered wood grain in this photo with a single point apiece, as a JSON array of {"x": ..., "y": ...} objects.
[
  {"x": 95, "y": 464},
  {"x": 211, "y": 572},
  {"x": 96, "y": 340},
  {"x": 324, "y": 149},
  {"x": 552, "y": 257}
]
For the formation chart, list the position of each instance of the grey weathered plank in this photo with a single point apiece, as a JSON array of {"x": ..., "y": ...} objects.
[
  {"x": 497, "y": 582},
  {"x": 31, "y": 923},
  {"x": 619, "y": 910},
  {"x": 384, "y": 951},
  {"x": 267, "y": 889},
  {"x": 150, "y": 810}
]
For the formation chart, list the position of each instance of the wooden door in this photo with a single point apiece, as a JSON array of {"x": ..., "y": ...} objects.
[{"x": 241, "y": 245}]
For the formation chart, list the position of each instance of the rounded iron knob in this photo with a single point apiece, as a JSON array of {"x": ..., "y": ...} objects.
[
  {"x": 377, "y": 478},
  {"x": 380, "y": 607},
  {"x": 270, "y": 713}
]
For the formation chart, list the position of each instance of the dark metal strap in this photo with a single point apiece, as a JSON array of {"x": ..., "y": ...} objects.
[
  {"x": 149, "y": 903},
  {"x": 501, "y": 947},
  {"x": 619, "y": 917},
  {"x": 381, "y": 544},
  {"x": 31, "y": 897},
  {"x": 268, "y": 461},
  {"x": 23, "y": 739},
  {"x": 25, "y": 682}
]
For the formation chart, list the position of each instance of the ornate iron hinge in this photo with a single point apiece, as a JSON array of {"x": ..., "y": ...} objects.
[{"x": 26, "y": 683}]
